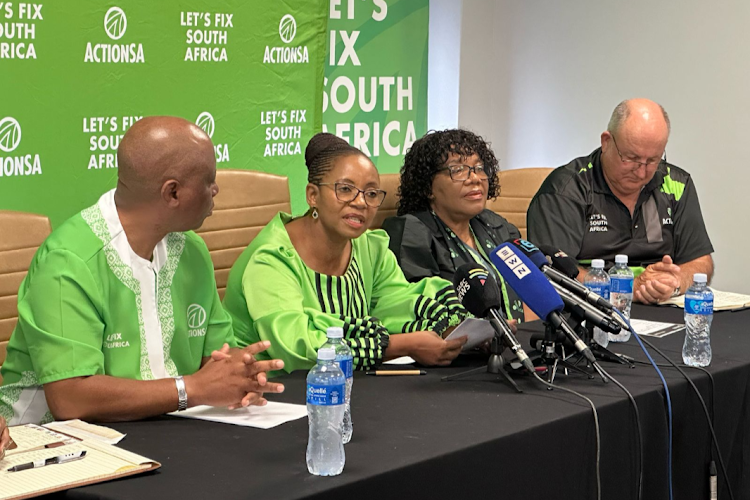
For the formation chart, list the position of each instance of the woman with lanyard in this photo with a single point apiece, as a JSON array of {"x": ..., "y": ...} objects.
[
  {"x": 302, "y": 275},
  {"x": 442, "y": 221}
]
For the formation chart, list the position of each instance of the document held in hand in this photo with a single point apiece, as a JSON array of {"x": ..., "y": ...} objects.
[{"x": 95, "y": 462}]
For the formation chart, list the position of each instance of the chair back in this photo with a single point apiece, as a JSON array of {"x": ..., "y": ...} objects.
[
  {"x": 389, "y": 183},
  {"x": 246, "y": 202},
  {"x": 517, "y": 188},
  {"x": 20, "y": 236}
]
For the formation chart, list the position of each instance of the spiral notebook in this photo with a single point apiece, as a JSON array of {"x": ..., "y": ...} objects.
[{"x": 34, "y": 443}]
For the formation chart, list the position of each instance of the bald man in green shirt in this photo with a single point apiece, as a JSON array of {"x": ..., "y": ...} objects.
[{"x": 119, "y": 317}]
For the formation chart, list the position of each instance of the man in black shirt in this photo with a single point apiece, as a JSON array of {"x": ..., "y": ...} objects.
[{"x": 624, "y": 198}]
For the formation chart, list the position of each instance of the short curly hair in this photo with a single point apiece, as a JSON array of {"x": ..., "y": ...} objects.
[{"x": 429, "y": 154}]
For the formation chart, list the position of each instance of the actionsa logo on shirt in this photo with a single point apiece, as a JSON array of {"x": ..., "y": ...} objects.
[{"x": 196, "y": 320}]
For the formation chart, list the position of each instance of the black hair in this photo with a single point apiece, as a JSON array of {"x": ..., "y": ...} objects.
[
  {"x": 321, "y": 152},
  {"x": 429, "y": 154}
]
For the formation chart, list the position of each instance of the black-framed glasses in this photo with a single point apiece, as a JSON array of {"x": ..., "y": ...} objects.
[
  {"x": 634, "y": 163},
  {"x": 463, "y": 172},
  {"x": 347, "y": 193}
]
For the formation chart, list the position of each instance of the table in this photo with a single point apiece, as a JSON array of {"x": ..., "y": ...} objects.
[{"x": 419, "y": 437}]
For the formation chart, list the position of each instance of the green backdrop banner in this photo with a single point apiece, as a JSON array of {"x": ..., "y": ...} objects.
[
  {"x": 75, "y": 75},
  {"x": 376, "y": 76}
]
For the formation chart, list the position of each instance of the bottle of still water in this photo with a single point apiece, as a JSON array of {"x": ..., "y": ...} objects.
[
  {"x": 621, "y": 293},
  {"x": 326, "y": 387},
  {"x": 699, "y": 312},
  {"x": 346, "y": 362},
  {"x": 597, "y": 280}
]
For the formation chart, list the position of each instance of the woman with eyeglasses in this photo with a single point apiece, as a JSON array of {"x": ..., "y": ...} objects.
[
  {"x": 302, "y": 275},
  {"x": 442, "y": 221}
]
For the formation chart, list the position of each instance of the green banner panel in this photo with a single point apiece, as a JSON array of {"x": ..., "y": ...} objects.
[
  {"x": 75, "y": 75},
  {"x": 376, "y": 76}
]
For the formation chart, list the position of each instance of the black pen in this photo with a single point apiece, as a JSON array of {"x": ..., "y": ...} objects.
[
  {"x": 380, "y": 373},
  {"x": 50, "y": 461}
]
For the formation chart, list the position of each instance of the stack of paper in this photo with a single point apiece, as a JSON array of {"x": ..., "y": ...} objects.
[{"x": 723, "y": 301}]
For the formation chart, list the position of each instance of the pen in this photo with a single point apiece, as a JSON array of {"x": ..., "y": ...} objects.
[
  {"x": 50, "y": 461},
  {"x": 712, "y": 480},
  {"x": 380, "y": 373}
]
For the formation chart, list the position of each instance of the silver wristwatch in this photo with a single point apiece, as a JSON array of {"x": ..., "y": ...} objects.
[{"x": 181, "y": 393}]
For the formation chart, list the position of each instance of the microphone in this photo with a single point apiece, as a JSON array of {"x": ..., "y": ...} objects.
[
  {"x": 561, "y": 273},
  {"x": 584, "y": 311},
  {"x": 478, "y": 292},
  {"x": 560, "y": 261},
  {"x": 533, "y": 288},
  {"x": 581, "y": 309}
]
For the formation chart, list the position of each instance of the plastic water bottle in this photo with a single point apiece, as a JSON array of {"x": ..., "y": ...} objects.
[
  {"x": 346, "y": 362},
  {"x": 597, "y": 280},
  {"x": 325, "y": 412},
  {"x": 621, "y": 293},
  {"x": 699, "y": 312}
]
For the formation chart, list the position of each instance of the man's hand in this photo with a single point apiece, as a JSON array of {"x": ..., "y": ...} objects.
[
  {"x": 234, "y": 378},
  {"x": 430, "y": 350},
  {"x": 657, "y": 282}
]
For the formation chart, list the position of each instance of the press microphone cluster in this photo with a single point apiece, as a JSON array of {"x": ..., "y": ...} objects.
[
  {"x": 479, "y": 293},
  {"x": 562, "y": 271},
  {"x": 532, "y": 286}
]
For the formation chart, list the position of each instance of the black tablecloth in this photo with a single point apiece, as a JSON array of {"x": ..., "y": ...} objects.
[{"x": 420, "y": 437}]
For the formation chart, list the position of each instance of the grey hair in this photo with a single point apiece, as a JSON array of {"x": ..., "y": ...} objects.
[{"x": 621, "y": 113}]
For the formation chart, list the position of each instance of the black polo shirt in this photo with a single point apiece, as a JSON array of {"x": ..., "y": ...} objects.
[{"x": 576, "y": 211}]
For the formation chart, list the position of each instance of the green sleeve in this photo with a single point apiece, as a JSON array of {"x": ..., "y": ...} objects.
[
  {"x": 60, "y": 317},
  {"x": 428, "y": 304},
  {"x": 219, "y": 327},
  {"x": 276, "y": 303}
]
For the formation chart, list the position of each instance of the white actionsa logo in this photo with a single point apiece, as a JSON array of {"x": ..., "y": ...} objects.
[
  {"x": 206, "y": 121},
  {"x": 10, "y": 139},
  {"x": 287, "y": 28},
  {"x": 10, "y": 134},
  {"x": 196, "y": 316},
  {"x": 115, "y": 26},
  {"x": 286, "y": 55},
  {"x": 115, "y": 23}
]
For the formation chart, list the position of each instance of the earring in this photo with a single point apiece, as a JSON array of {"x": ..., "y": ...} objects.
[{"x": 315, "y": 213}]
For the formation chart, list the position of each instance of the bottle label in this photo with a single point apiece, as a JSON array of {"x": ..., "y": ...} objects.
[
  {"x": 602, "y": 290},
  {"x": 621, "y": 285},
  {"x": 347, "y": 366},
  {"x": 325, "y": 395},
  {"x": 699, "y": 306}
]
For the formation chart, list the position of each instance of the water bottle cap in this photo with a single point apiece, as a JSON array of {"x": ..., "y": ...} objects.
[
  {"x": 700, "y": 278},
  {"x": 621, "y": 259},
  {"x": 335, "y": 332},
  {"x": 597, "y": 264},
  {"x": 326, "y": 354}
]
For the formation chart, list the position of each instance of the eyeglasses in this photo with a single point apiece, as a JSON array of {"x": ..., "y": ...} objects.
[
  {"x": 348, "y": 193},
  {"x": 634, "y": 163},
  {"x": 462, "y": 172}
]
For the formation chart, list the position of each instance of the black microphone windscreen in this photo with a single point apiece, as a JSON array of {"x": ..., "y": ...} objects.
[
  {"x": 476, "y": 289},
  {"x": 561, "y": 261}
]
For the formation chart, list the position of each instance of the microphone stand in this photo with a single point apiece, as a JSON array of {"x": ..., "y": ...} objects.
[
  {"x": 495, "y": 365},
  {"x": 550, "y": 357},
  {"x": 602, "y": 353}
]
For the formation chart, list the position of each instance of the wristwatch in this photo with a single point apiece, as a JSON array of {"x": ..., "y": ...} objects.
[
  {"x": 676, "y": 292},
  {"x": 181, "y": 393}
]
